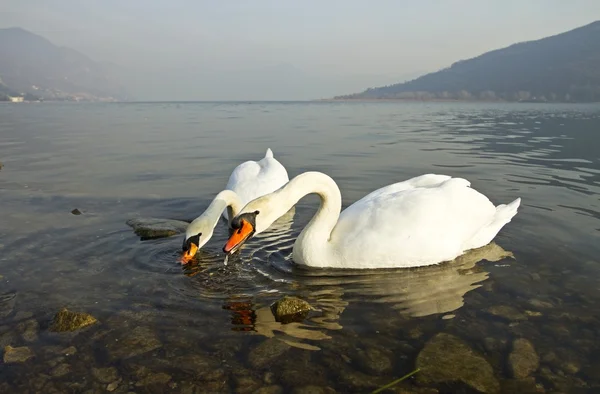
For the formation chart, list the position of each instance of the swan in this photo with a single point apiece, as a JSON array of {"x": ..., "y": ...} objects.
[
  {"x": 248, "y": 181},
  {"x": 422, "y": 221}
]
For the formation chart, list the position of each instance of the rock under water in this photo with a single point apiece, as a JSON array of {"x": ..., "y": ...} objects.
[
  {"x": 447, "y": 360},
  {"x": 290, "y": 309},
  {"x": 66, "y": 320},
  {"x": 17, "y": 354},
  {"x": 523, "y": 360},
  {"x": 152, "y": 228}
]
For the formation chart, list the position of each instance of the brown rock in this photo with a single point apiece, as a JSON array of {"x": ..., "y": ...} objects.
[
  {"x": 66, "y": 320},
  {"x": 17, "y": 354},
  {"x": 523, "y": 359},
  {"x": 446, "y": 359}
]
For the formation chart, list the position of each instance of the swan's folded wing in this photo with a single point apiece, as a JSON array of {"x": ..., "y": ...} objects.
[{"x": 413, "y": 224}]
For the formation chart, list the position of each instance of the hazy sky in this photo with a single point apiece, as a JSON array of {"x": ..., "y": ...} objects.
[{"x": 268, "y": 49}]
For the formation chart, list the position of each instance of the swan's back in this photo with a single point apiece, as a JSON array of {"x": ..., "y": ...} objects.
[
  {"x": 253, "y": 179},
  {"x": 421, "y": 221}
]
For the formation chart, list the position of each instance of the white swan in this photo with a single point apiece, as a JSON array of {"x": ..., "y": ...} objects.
[
  {"x": 422, "y": 221},
  {"x": 248, "y": 181}
]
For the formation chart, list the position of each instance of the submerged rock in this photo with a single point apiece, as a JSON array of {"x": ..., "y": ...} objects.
[
  {"x": 506, "y": 312},
  {"x": 159, "y": 378},
  {"x": 29, "y": 329},
  {"x": 138, "y": 341},
  {"x": 76, "y": 212},
  {"x": 105, "y": 375},
  {"x": 152, "y": 228},
  {"x": 60, "y": 370},
  {"x": 267, "y": 352},
  {"x": 523, "y": 359},
  {"x": 375, "y": 361},
  {"x": 112, "y": 386},
  {"x": 7, "y": 303},
  {"x": 446, "y": 359},
  {"x": 17, "y": 354},
  {"x": 66, "y": 320},
  {"x": 246, "y": 384},
  {"x": 290, "y": 309}
]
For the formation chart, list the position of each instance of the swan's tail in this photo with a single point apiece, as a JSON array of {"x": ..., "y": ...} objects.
[
  {"x": 504, "y": 213},
  {"x": 269, "y": 153}
]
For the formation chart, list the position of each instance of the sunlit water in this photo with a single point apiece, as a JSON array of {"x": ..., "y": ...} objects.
[{"x": 119, "y": 161}]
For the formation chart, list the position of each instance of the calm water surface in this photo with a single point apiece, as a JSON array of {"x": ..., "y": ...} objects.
[{"x": 208, "y": 327}]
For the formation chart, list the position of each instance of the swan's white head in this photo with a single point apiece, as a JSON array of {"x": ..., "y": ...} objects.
[
  {"x": 257, "y": 216},
  {"x": 197, "y": 235}
]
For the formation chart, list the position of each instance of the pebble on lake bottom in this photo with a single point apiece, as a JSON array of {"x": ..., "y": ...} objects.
[
  {"x": 17, "y": 354},
  {"x": 66, "y": 320}
]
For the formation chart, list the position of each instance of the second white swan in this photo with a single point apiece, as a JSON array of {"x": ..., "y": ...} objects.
[
  {"x": 248, "y": 181},
  {"x": 423, "y": 221}
]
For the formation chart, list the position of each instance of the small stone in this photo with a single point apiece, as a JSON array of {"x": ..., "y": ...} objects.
[
  {"x": 523, "y": 360},
  {"x": 446, "y": 359},
  {"x": 290, "y": 309},
  {"x": 105, "y": 375},
  {"x": 246, "y": 384},
  {"x": 29, "y": 329},
  {"x": 506, "y": 312},
  {"x": 540, "y": 304},
  {"x": 55, "y": 361},
  {"x": 269, "y": 390},
  {"x": 269, "y": 377},
  {"x": 71, "y": 350},
  {"x": 152, "y": 228},
  {"x": 66, "y": 320},
  {"x": 76, "y": 212},
  {"x": 17, "y": 354},
  {"x": 448, "y": 317},
  {"x": 154, "y": 378},
  {"x": 60, "y": 370},
  {"x": 533, "y": 313},
  {"x": 112, "y": 386},
  {"x": 570, "y": 367},
  {"x": 267, "y": 352}
]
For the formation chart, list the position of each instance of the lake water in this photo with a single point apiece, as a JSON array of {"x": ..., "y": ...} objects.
[{"x": 208, "y": 327}]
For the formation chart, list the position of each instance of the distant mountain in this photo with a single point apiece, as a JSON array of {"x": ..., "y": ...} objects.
[
  {"x": 31, "y": 64},
  {"x": 560, "y": 68}
]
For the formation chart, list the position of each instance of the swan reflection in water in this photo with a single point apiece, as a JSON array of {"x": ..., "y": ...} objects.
[{"x": 414, "y": 292}]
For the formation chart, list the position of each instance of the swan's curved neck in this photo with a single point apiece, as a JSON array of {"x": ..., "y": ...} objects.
[
  {"x": 226, "y": 199},
  {"x": 313, "y": 242}
]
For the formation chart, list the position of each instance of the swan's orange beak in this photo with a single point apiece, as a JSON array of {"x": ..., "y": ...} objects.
[
  {"x": 189, "y": 254},
  {"x": 238, "y": 238}
]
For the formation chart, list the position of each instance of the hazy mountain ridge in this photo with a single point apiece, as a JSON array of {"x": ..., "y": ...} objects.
[
  {"x": 561, "y": 68},
  {"x": 31, "y": 64}
]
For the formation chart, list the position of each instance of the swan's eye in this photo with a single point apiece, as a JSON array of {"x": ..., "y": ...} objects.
[{"x": 256, "y": 212}]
